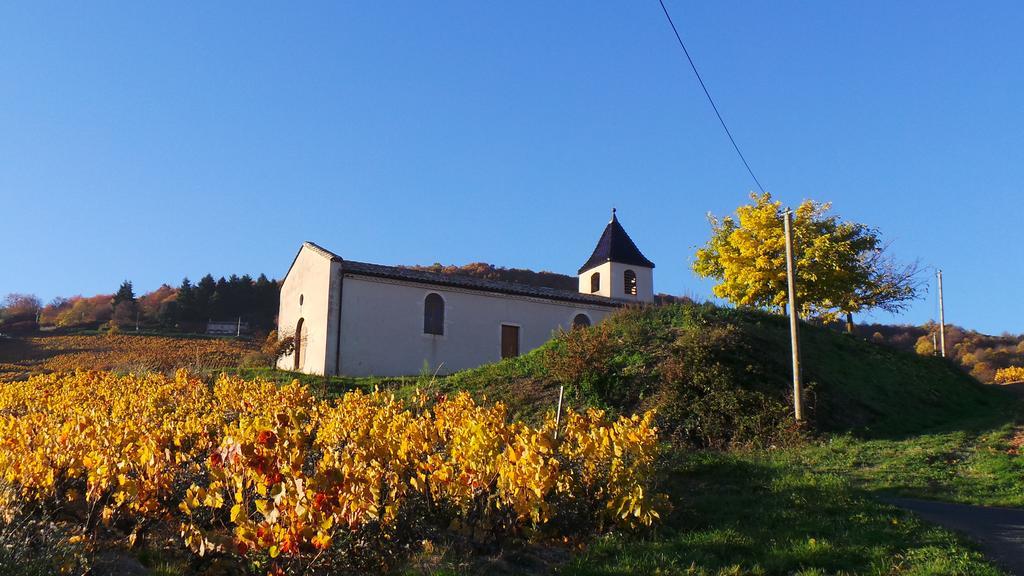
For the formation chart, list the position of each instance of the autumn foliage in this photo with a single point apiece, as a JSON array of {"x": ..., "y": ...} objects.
[
  {"x": 842, "y": 267},
  {"x": 1009, "y": 375},
  {"x": 277, "y": 478},
  {"x": 126, "y": 352}
]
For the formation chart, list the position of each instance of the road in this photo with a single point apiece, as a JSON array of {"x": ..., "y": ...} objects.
[{"x": 999, "y": 531}]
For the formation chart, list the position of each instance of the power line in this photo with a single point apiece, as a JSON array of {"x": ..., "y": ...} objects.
[{"x": 708, "y": 94}]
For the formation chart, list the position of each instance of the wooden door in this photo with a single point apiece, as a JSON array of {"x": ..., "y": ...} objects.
[{"x": 509, "y": 341}]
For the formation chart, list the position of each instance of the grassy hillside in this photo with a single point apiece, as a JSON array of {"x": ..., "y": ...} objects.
[
  {"x": 722, "y": 377},
  {"x": 887, "y": 421}
]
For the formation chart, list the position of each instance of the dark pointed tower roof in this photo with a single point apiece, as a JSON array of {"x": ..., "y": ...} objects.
[{"x": 616, "y": 246}]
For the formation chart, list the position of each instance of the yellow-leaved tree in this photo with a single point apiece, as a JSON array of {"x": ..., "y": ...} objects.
[{"x": 842, "y": 267}]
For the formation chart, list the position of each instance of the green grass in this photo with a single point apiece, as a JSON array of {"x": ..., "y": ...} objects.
[
  {"x": 815, "y": 508},
  {"x": 971, "y": 462},
  {"x": 770, "y": 513}
]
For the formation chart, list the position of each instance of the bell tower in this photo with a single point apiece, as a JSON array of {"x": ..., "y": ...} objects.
[{"x": 617, "y": 269}]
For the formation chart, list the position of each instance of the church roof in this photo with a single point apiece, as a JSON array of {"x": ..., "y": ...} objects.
[
  {"x": 616, "y": 246},
  {"x": 465, "y": 282}
]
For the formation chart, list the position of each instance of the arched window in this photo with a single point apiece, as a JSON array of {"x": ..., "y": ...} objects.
[
  {"x": 595, "y": 282},
  {"x": 629, "y": 278},
  {"x": 581, "y": 321},
  {"x": 298, "y": 344},
  {"x": 433, "y": 314}
]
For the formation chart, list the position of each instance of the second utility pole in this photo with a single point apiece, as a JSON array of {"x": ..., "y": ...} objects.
[
  {"x": 794, "y": 319},
  {"x": 942, "y": 319}
]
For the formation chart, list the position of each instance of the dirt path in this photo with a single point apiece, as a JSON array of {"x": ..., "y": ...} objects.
[{"x": 999, "y": 531}]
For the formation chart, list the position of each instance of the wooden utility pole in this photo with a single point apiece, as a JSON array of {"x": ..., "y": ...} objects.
[
  {"x": 942, "y": 319},
  {"x": 794, "y": 319}
]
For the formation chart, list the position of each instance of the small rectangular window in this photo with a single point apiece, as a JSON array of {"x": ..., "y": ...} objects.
[{"x": 509, "y": 341}]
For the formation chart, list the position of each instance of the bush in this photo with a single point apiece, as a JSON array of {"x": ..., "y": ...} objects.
[
  {"x": 681, "y": 360},
  {"x": 1009, "y": 375},
  {"x": 277, "y": 346}
]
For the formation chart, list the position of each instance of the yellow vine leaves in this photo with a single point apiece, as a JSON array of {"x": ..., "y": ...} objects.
[{"x": 246, "y": 467}]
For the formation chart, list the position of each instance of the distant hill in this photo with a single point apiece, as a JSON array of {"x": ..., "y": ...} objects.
[
  {"x": 491, "y": 272},
  {"x": 521, "y": 276},
  {"x": 979, "y": 354}
]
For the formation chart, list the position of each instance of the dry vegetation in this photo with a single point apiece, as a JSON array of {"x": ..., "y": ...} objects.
[{"x": 21, "y": 357}]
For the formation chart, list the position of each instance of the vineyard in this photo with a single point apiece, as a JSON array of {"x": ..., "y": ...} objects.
[
  {"x": 254, "y": 475},
  {"x": 123, "y": 352}
]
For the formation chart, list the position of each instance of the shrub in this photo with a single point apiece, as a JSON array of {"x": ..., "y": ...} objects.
[
  {"x": 582, "y": 360},
  {"x": 682, "y": 361},
  {"x": 1010, "y": 374},
  {"x": 276, "y": 346}
]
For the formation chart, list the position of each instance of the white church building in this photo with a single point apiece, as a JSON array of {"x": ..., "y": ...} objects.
[{"x": 359, "y": 319}]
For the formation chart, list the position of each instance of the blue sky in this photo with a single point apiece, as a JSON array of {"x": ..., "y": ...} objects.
[{"x": 151, "y": 141}]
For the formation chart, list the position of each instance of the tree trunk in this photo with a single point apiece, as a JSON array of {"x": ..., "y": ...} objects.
[{"x": 849, "y": 322}]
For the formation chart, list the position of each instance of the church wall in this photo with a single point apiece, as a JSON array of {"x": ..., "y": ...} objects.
[
  {"x": 644, "y": 283},
  {"x": 310, "y": 278},
  {"x": 605, "y": 287},
  {"x": 613, "y": 284},
  {"x": 382, "y": 326}
]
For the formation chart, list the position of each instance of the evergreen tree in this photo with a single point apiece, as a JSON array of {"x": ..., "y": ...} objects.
[
  {"x": 243, "y": 298},
  {"x": 124, "y": 294},
  {"x": 125, "y": 306},
  {"x": 204, "y": 292},
  {"x": 186, "y": 300},
  {"x": 266, "y": 294}
]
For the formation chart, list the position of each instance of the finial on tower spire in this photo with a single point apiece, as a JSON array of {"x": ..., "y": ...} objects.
[{"x": 613, "y": 213}]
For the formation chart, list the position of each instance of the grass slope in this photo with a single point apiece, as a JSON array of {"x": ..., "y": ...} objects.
[
  {"x": 764, "y": 513},
  {"x": 675, "y": 356},
  {"x": 885, "y": 421}
]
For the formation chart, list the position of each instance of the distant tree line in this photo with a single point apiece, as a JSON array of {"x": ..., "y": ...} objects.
[
  {"x": 254, "y": 301},
  {"x": 186, "y": 308},
  {"x": 19, "y": 312}
]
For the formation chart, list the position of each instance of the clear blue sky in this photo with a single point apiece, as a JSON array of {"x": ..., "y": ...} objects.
[{"x": 155, "y": 141}]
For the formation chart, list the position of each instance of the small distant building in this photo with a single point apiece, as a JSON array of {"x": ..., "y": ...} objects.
[
  {"x": 227, "y": 327},
  {"x": 360, "y": 319}
]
